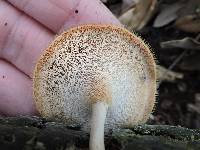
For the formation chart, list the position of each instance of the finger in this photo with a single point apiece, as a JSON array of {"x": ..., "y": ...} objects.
[
  {"x": 15, "y": 92},
  {"x": 21, "y": 38},
  {"x": 55, "y": 14}
]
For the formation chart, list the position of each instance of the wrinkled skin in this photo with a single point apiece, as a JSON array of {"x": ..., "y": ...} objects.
[{"x": 26, "y": 29}]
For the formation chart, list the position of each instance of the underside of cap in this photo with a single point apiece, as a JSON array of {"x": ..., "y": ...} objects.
[{"x": 91, "y": 63}]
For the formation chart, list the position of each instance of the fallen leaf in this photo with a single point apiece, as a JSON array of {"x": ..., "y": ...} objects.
[
  {"x": 186, "y": 13},
  {"x": 194, "y": 108},
  {"x": 190, "y": 7},
  {"x": 186, "y": 43},
  {"x": 189, "y": 17},
  {"x": 127, "y": 4},
  {"x": 164, "y": 74},
  {"x": 189, "y": 23},
  {"x": 167, "y": 15},
  {"x": 137, "y": 17}
]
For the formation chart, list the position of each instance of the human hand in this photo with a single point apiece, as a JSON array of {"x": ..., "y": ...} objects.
[{"x": 26, "y": 29}]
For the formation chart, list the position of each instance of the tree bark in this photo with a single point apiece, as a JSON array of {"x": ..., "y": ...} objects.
[{"x": 34, "y": 133}]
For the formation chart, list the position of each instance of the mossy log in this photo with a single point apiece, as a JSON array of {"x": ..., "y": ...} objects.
[{"x": 34, "y": 133}]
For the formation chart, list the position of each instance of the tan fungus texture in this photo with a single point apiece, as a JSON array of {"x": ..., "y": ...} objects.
[{"x": 92, "y": 63}]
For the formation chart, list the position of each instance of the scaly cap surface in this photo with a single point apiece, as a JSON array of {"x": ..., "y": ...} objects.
[{"x": 91, "y": 63}]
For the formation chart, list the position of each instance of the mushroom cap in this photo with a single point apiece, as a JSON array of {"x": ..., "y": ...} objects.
[{"x": 93, "y": 63}]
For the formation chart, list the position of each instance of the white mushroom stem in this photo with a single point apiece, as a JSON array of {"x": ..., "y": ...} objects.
[{"x": 99, "y": 110}]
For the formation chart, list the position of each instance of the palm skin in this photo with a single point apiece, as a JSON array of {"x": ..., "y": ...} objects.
[{"x": 26, "y": 29}]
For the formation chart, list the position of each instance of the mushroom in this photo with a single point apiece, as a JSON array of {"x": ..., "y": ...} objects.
[{"x": 101, "y": 77}]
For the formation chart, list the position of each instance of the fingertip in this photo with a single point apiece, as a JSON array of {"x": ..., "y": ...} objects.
[
  {"x": 88, "y": 12},
  {"x": 15, "y": 92}
]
